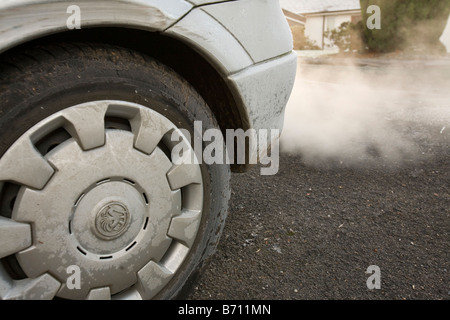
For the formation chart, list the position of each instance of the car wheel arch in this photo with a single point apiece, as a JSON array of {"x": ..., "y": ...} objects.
[{"x": 207, "y": 78}]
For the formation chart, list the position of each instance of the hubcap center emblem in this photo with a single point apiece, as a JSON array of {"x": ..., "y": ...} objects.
[{"x": 112, "y": 220}]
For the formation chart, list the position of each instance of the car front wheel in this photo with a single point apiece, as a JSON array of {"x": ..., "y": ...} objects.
[{"x": 92, "y": 204}]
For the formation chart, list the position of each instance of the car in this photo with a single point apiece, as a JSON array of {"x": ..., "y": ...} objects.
[{"x": 92, "y": 93}]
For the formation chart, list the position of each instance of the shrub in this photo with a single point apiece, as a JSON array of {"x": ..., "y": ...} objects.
[
  {"x": 301, "y": 41},
  {"x": 348, "y": 37}
]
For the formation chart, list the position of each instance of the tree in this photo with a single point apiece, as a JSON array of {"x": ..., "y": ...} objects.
[
  {"x": 407, "y": 25},
  {"x": 348, "y": 37}
]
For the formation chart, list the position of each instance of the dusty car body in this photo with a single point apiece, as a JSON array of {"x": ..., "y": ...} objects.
[{"x": 237, "y": 55}]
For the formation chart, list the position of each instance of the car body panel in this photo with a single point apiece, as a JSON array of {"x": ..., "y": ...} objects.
[
  {"x": 212, "y": 40},
  {"x": 25, "y": 20},
  {"x": 203, "y": 2},
  {"x": 251, "y": 44},
  {"x": 265, "y": 89},
  {"x": 259, "y": 25},
  {"x": 236, "y": 34}
]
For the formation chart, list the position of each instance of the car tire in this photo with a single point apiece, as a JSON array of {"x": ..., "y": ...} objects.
[{"x": 92, "y": 205}]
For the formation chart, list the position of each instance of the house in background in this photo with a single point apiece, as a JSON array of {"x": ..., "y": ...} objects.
[
  {"x": 294, "y": 19},
  {"x": 321, "y": 16}
]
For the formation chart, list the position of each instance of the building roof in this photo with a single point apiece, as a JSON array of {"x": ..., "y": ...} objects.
[
  {"x": 293, "y": 18},
  {"x": 314, "y": 6}
]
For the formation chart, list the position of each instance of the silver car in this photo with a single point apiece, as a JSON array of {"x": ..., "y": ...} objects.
[{"x": 92, "y": 203}]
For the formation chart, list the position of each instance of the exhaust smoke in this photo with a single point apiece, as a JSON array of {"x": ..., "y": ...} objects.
[{"x": 356, "y": 115}]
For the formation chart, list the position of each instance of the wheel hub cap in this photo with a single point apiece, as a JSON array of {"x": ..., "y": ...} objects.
[{"x": 108, "y": 201}]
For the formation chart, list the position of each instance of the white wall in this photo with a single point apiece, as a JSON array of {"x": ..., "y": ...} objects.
[
  {"x": 445, "y": 38},
  {"x": 313, "y": 29},
  {"x": 314, "y": 26}
]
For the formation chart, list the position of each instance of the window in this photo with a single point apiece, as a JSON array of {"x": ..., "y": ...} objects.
[{"x": 330, "y": 23}]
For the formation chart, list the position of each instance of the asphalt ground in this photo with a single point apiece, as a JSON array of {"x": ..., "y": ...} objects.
[{"x": 311, "y": 231}]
